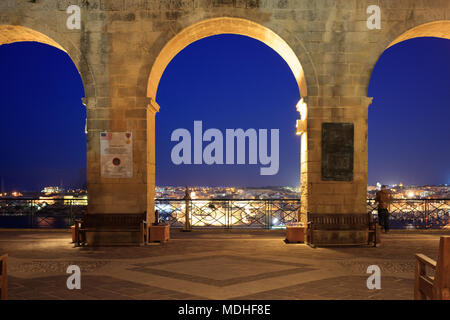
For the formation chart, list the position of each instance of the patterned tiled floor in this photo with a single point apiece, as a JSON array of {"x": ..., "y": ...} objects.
[
  {"x": 211, "y": 265},
  {"x": 93, "y": 288},
  {"x": 342, "y": 288},
  {"x": 222, "y": 270}
]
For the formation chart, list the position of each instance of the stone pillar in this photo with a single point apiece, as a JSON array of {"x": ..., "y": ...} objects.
[
  {"x": 116, "y": 195},
  {"x": 302, "y": 126},
  {"x": 152, "y": 109},
  {"x": 336, "y": 202}
]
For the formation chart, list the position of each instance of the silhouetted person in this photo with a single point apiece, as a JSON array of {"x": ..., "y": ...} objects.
[
  {"x": 384, "y": 199},
  {"x": 156, "y": 218},
  {"x": 187, "y": 198},
  {"x": 187, "y": 193}
]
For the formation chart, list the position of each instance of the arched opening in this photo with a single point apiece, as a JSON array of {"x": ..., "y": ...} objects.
[
  {"x": 12, "y": 34},
  {"x": 224, "y": 25},
  {"x": 435, "y": 29},
  {"x": 408, "y": 127},
  {"x": 42, "y": 129},
  {"x": 201, "y": 30}
]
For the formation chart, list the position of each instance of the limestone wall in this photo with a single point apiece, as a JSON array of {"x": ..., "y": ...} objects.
[{"x": 120, "y": 40}]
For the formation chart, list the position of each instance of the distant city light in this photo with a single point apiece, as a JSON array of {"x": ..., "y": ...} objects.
[{"x": 51, "y": 190}]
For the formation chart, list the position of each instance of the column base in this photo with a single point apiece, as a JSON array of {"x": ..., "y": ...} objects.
[
  {"x": 114, "y": 229},
  {"x": 116, "y": 238},
  {"x": 338, "y": 229}
]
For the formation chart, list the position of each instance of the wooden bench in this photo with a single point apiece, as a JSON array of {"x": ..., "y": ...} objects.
[
  {"x": 437, "y": 286},
  {"x": 336, "y": 225},
  {"x": 3, "y": 278},
  {"x": 107, "y": 223}
]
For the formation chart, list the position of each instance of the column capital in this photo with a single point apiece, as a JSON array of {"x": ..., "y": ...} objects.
[
  {"x": 153, "y": 105},
  {"x": 89, "y": 102},
  {"x": 367, "y": 101},
  {"x": 302, "y": 108}
]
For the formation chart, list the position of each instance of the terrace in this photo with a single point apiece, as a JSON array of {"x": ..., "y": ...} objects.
[
  {"x": 218, "y": 213},
  {"x": 217, "y": 264}
]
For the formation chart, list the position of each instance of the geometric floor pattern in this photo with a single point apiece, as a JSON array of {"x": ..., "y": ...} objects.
[
  {"x": 222, "y": 270},
  {"x": 254, "y": 265}
]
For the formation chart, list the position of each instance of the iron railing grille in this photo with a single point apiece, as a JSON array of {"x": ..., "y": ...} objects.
[
  {"x": 171, "y": 211},
  {"x": 416, "y": 213},
  {"x": 218, "y": 213},
  {"x": 38, "y": 213}
]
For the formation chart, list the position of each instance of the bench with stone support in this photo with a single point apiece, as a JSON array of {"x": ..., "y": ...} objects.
[
  {"x": 342, "y": 229},
  {"x": 437, "y": 286},
  {"x": 110, "y": 229},
  {"x": 3, "y": 278}
]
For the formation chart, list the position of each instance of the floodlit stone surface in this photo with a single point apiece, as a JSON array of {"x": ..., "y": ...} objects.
[
  {"x": 12, "y": 34},
  {"x": 212, "y": 265},
  {"x": 124, "y": 46}
]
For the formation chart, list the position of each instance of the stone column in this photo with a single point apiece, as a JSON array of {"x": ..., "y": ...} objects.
[
  {"x": 336, "y": 203},
  {"x": 152, "y": 109},
  {"x": 302, "y": 126}
]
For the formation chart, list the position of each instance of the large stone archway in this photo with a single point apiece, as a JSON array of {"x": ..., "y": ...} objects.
[
  {"x": 16, "y": 33},
  {"x": 123, "y": 47},
  {"x": 200, "y": 30},
  {"x": 12, "y": 34},
  {"x": 32, "y": 32},
  {"x": 437, "y": 29}
]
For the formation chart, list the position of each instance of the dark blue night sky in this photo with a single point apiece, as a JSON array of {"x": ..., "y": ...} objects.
[
  {"x": 42, "y": 118},
  {"x": 409, "y": 136},
  {"x": 227, "y": 82}
]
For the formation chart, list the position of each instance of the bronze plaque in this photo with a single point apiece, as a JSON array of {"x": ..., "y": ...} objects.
[{"x": 337, "y": 151}]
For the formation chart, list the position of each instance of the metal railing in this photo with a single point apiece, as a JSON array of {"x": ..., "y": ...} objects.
[
  {"x": 416, "y": 213},
  {"x": 40, "y": 213},
  {"x": 218, "y": 213},
  {"x": 276, "y": 213},
  {"x": 229, "y": 213}
]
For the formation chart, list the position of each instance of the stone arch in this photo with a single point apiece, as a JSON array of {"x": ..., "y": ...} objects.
[
  {"x": 224, "y": 25},
  {"x": 11, "y": 34},
  {"x": 15, "y": 33},
  {"x": 436, "y": 29},
  {"x": 216, "y": 26}
]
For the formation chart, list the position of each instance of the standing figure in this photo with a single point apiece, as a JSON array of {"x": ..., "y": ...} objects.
[
  {"x": 384, "y": 199},
  {"x": 187, "y": 218},
  {"x": 156, "y": 218},
  {"x": 187, "y": 193}
]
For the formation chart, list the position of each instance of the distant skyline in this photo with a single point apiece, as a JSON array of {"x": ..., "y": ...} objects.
[{"x": 226, "y": 81}]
